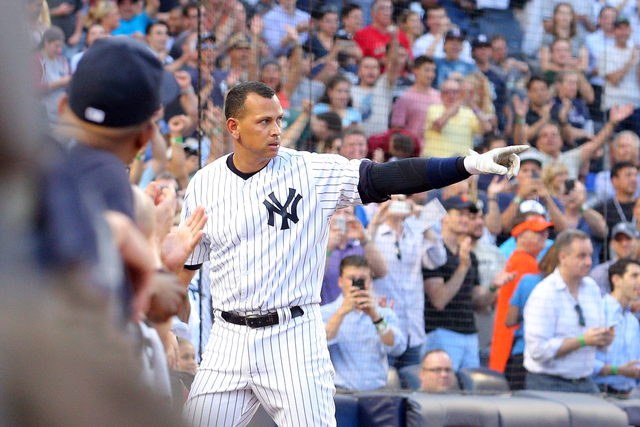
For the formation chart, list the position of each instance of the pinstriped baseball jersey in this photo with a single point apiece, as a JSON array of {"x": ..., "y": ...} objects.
[{"x": 266, "y": 236}]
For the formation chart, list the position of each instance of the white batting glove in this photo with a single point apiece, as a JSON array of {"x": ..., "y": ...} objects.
[{"x": 499, "y": 161}]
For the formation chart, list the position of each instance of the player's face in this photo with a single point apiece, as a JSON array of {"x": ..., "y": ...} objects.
[{"x": 257, "y": 132}]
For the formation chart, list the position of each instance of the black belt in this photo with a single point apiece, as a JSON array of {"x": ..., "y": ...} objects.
[
  {"x": 569, "y": 380},
  {"x": 259, "y": 321}
]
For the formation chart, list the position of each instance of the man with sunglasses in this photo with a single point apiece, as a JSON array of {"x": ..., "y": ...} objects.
[
  {"x": 360, "y": 333},
  {"x": 565, "y": 322}
]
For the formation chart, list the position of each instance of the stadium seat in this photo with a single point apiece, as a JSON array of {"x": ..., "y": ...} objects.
[
  {"x": 346, "y": 410},
  {"x": 631, "y": 407},
  {"x": 585, "y": 410},
  {"x": 528, "y": 412},
  {"x": 450, "y": 410},
  {"x": 410, "y": 377},
  {"x": 381, "y": 409},
  {"x": 482, "y": 380}
]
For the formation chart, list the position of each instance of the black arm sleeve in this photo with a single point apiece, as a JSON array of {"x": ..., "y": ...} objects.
[{"x": 378, "y": 181}]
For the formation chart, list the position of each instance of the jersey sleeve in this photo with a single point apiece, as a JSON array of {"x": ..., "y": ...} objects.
[
  {"x": 201, "y": 253},
  {"x": 336, "y": 180}
]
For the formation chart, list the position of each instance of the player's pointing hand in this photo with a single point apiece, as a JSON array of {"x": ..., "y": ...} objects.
[{"x": 499, "y": 161}]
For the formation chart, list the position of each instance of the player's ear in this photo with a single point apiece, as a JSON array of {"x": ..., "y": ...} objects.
[{"x": 233, "y": 127}]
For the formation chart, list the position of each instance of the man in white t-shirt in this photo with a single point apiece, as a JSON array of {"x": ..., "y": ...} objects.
[
  {"x": 619, "y": 67},
  {"x": 431, "y": 44}
]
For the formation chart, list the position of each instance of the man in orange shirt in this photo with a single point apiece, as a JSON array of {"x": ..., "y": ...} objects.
[{"x": 531, "y": 236}]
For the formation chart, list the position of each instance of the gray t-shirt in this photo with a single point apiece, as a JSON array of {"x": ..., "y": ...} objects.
[
  {"x": 54, "y": 70},
  {"x": 307, "y": 89},
  {"x": 577, "y": 42}
]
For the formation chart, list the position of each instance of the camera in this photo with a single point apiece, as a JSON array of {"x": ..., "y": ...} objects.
[
  {"x": 569, "y": 185},
  {"x": 400, "y": 207},
  {"x": 341, "y": 223},
  {"x": 358, "y": 283}
]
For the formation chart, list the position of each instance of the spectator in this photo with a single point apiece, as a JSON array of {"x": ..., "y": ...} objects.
[
  {"x": 156, "y": 37},
  {"x": 460, "y": 12},
  {"x": 133, "y": 19},
  {"x": 403, "y": 246},
  {"x": 531, "y": 188},
  {"x": 276, "y": 22},
  {"x": 564, "y": 27},
  {"x": 565, "y": 323},
  {"x": 531, "y": 238},
  {"x": 392, "y": 142},
  {"x": 55, "y": 73},
  {"x": 94, "y": 32},
  {"x": 619, "y": 67},
  {"x": 105, "y": 13},
  {"x": 581, "y": 216},
  {"x": 299, "y": 75},
  {"x": 515, "y": 371},
  {"x": 187, "y": 357},
  {"x": 515, "y": 71},
  {"x": 67, "y": 15},
  {"x": 323, "y": 40},
  {"x": 570, "y": 111},
  {"x": 597, "y": 43},
  {"x": 238, "y": 48},
  {"x": 347, "y": 236},
  {"x": 490, "y": 264},
  {"x": 410, "y": 109},
  {"x": 374, "y": 39},
  {"x": 189, "y": 26},
  {"x": 450, "y": 126},
  {"x": 354, "y": 144},
  {"x": 625, "y": 148},
  {"x": 360, "y": 333},
  {"x": 497, "y": 90},
  {"x": 549, "y": 140},
  {"x": 625, "y": 243},
  {"x": 411, "y": 23},
  {"x": 540, "y": 105},
  {"x": 476, "y": 89},
  {"x": 617, "y": 369},
  {"x": 176, "y": 25},
  {"x": 560, "y": 59},
  {"x": 628, "y": 10},
  {"x": 337, "y": 99},
  {"x": 436, "y": 373},
  {"x": 38, "y": 20},
  {"x": 432, "y": 43},
  {"x": 373, "y": 96},
  {"x": 624, "y": 177},
  {"x": 451, "y": 63},
  {"x": 351, "y": 18},
  {"x": 453, "y": 290},
  {"x": 330, "y": 145}
]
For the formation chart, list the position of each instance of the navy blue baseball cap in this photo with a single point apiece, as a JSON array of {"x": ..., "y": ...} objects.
[
  {"x": 459, "y": 203},
  {"x": 117, "y": 83}
]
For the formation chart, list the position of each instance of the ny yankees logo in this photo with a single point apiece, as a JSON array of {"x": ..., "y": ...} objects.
[{"x": 278, "y": 208}]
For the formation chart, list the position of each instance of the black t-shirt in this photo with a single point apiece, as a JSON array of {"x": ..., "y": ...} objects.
[
  {"x": 68, "y": 22},
  {"x": 612, "y": 215},
  {"x": 457, "y": 316}
]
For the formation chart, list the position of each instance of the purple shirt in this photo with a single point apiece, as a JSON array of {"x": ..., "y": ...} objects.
[{"x": 330, "y": 289}]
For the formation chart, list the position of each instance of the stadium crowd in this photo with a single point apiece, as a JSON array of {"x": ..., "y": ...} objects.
[{"x": 536, "y": 277}]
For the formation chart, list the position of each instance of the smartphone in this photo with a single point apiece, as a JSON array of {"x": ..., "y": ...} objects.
[
  {"x": 358, "y": 283},
  {"x": 341, "y": 223},
  {"x": 613, "y": 325},
  {"x": 400, "y": 207},
  {"x": 569, "y": 184}
]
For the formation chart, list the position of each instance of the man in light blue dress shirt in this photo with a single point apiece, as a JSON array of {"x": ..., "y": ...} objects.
[
  {"x": 360, "y": 333},
  {"x": 617, "y": 369},
  {"x": 565, "y": 322}
]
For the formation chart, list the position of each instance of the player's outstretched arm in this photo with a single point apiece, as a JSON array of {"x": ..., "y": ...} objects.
[{"x": 378, "y": 181}]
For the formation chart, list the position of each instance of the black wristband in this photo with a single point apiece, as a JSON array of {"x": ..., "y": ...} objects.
[{"x": 380, "y": 320}]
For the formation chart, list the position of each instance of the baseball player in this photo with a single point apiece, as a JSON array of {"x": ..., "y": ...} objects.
[{"x": 269, "y": 211}]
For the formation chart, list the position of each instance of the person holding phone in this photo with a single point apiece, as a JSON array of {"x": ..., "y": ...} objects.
[
  {"x": 361, "y": 332},
  {"x": 618, "y": 368}
]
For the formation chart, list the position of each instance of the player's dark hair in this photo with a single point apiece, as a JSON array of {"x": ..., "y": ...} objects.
[
  {"x": 234, "y": 105},
  {"x": 356, "y": 261},
  {"x": 615, "y": 170},
  {"x": 619, "y": 268},
  {"x": 421, "y": 60}
]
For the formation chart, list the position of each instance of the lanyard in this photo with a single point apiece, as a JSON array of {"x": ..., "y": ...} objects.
[{"x": 621, "y": 213}]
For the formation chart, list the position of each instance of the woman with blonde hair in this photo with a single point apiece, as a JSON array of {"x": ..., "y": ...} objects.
[
  {"x": 477, "y": 96},
  {"x": 105, "y": 13},
  {"x": 554, "y": 176}
]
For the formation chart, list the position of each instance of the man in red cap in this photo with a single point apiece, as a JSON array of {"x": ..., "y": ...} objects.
[{"x": 531, "y": 236}]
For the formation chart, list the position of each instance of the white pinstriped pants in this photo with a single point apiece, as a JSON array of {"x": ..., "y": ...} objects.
[{"x": 285, "y": 367}]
